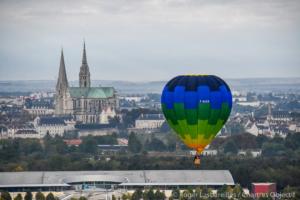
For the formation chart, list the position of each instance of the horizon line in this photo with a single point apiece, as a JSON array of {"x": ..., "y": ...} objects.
[{"x": 126, "y": 80}]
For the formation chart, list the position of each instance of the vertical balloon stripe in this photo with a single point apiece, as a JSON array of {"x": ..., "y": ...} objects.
[
  {"x": 225, "y": 111},
  {"x": 178, "y": 130},
  {"x": 179, "y": 111},
  {"x": 202, "y": 126},
  {"x": 224, "y": 94},
  {"x": 218, "y": 126},
  {"x": 169, "y": 114},
  {"x": 203, "y": 93},
  {"x": 203, "y": 111},
  {"x": 230, "y": 99},
  {"x": 209, "y": 131},
  {"x": 168, "y": 97},
  {"x": 190, "y": 100},
  {"x": 193, "y": 130},
  {"x": 215, "y": 99},
  {"x": 191, "y": 116},
  {"x": 179, "y": 94},
  {"x": 214, "y": 116},
  {"x": 184, "y": 126}
]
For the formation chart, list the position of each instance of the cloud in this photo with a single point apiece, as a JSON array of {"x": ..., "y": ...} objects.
[{"x": 155, "y": 37}]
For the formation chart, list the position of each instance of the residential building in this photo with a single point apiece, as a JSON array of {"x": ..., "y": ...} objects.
[{"x": 149, "y": 121}]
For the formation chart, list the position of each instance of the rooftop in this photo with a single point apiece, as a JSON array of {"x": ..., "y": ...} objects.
[
  {"x": 139, "y": 177},
  {"x": 92, "y": 92},
  {"x": 54, "y": 120},
  {"x": 151, "y": 117}
]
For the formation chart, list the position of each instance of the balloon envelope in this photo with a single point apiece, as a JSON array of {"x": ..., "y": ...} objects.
[{"x": 196, "y": 107}]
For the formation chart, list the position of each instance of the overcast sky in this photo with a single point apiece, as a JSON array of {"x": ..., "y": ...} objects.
[{"x": 142, "y": 40}]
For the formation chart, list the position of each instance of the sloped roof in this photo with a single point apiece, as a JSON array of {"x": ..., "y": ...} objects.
[
  {"x": 92, "y": 92},
  {"x": 54, "y": 120},
  {"x": 151, "y": 117}
]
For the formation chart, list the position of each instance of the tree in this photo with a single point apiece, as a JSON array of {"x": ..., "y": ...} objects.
[
  {"x": 175, "y": 194},
  {"x": 125, "y": 197},
  {"x": 230, "y": 147},
  {"x": 273, "y": 149},
  {"x": 88, "y": 145},
  {"x": 5, "y": 195},
  {"x": 149, "y": 195},
  {"x": 156, "y": 145},
  {"x": 224, "y": 192},
  {"x": 18, "y": 197},
  {"x": 134, "y": 144},
  {"x": 159, "y": 195},
  {"x": 39, "y": 196},
  {"x": 50, "y": 196},
  {"x": 137, "y": 195},
  {"x": 293, "y": 191},
  {"x": 261, "y": 139},
  {"x": 28, "y": 196},
  {"x": 292, "y": 141},
  {"x": 237, "y": 191}
]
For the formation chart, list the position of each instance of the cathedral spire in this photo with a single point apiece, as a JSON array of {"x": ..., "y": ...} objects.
[
  {"x": 62, "y": 81},
  {"x": 84, "y": 60},
  {"x": 61, "y": 86},
  {"x": 84, "y": 74}
]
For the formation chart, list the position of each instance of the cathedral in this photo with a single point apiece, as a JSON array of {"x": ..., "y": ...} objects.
[{"x": 89, "y": 105}]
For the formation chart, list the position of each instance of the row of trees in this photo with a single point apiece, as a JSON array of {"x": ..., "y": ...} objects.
[
  {"x": 146, "y": 195},
  {"x": 135, "y": 145},
  {"x": 28, "y": 196},
  {"x": 199, "y": 193},
  {"x": 276, "y": 146}
]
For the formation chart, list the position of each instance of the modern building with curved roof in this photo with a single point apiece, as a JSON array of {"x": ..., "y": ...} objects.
[{"x": 80, "y": 180}]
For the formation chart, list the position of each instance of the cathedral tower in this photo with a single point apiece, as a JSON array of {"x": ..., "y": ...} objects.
[
  {"x": 84, "y": 74},
  {"x": 61, "y": 87}
]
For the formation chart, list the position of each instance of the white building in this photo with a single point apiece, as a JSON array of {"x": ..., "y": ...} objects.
[
  {"x": 209, "y": 152},
  {"x": 206, "y": 152},
  {"x": 249, "y": 103},
  {"x": 149, "y": 121},
  {"x": 54, "y": 125},
  {"x": 253, "y": 153},
  {"x": 27, "y": 133},
  {"x": 38, "y": 111},
  {"x": 23, "y": 133}
]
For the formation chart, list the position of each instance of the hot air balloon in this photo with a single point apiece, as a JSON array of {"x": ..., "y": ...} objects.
[{"x": 196, "y": 107}]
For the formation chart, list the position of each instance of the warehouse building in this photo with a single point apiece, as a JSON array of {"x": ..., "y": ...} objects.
[{"x": 93, "y": 180}]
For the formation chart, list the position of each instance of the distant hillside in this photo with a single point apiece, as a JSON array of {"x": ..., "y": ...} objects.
[{"x": 125, "y": 87}]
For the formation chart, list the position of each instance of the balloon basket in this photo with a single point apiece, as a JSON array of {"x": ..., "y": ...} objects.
[{"x": 197, "y": 160}]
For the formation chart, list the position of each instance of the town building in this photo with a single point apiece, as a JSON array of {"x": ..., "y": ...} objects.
[
  {"x": 53, "y": 125},
  {"x": 263, "y": 189},
  {"x": 253, "y": 153},
  {"x": 38, "y": 107},
  {"x": 89, "y": 105},
  {"x": 275, "y": 123},
  {"x": 73, "y": 142},
  {"x": 149, "y": 121},
  {"x": 23, "y": 133}
]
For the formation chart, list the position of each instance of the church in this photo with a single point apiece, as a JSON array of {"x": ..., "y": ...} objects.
[{"x": 88, "y": 105}]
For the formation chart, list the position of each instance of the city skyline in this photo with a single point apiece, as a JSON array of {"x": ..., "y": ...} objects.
[{"x": 150, "y": 40}]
